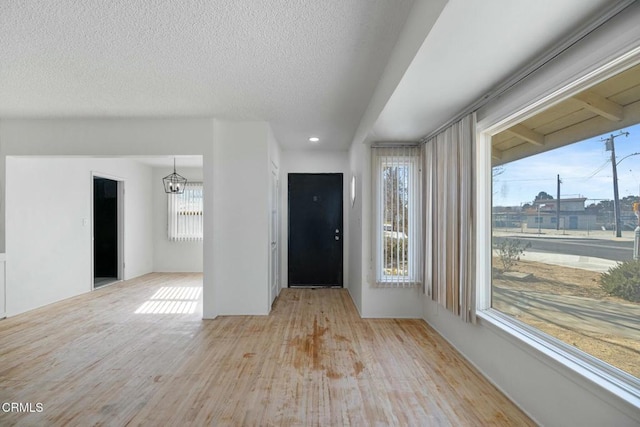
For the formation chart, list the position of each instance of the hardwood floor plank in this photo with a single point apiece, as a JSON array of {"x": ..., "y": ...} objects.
[{"x": 127, "y": 354}]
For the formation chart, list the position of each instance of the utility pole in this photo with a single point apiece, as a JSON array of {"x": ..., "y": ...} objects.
[
  {"x": 558, "y": 206},
  {"x": 610, "y": 146},
  {"x": 636, "y": 238}
]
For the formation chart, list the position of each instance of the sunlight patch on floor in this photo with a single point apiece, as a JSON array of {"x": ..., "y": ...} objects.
[{"x": 172, "y": 300}]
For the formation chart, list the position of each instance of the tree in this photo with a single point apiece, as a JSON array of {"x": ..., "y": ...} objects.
[
  {"x": 593, "y": 209},
  {"x": 605, "y": 205},
  {"x": 510, "y": 251},
  {"x": 543, "y": 195},
  {"x": 395, "y": 180},
  {"x": 626, "y": 204}
]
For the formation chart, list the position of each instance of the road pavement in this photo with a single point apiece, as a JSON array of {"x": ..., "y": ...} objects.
[{"x": 587, "y": 247}]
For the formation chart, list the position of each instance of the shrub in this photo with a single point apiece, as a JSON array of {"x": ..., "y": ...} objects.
[
  {"x": 509, "y": 251},
  {"x": 623, "y": 281}
]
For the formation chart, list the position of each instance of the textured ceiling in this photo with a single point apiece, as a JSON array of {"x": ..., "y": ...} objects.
[
  {"x": 472, "y": 48},
  {"x": 306, "y": 66}
]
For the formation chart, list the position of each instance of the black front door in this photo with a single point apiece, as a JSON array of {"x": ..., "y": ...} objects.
[{"x": 315, "y": 229}]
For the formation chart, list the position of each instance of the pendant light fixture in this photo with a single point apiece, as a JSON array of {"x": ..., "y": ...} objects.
[{"x": 174, "y": 183}]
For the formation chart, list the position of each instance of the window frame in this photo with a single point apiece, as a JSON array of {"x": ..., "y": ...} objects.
[
  {"x": 414, "y": 277},
  {"x": 575, "y": 364}
]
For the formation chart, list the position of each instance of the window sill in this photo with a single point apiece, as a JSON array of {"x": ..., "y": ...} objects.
[
  {"x": 622, "y": 389},
  {"x": 396, "y": 285}
]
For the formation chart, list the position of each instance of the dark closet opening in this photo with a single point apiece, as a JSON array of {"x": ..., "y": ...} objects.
[{"x": 105, "y": 231}]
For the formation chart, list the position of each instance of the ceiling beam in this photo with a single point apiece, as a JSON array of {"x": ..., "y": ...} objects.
[
  {"x": 495, "y": 153},
  {"x": 523, "y": 132},
  {"x": 600, "y": 105},
  {"x": 597, "y": 125}
]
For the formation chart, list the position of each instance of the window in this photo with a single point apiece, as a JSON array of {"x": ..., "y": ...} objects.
[
  {"x": 185, "y": 213},
  {"x": 556, "y": 274},
  {"x": 398, "y": 219}
]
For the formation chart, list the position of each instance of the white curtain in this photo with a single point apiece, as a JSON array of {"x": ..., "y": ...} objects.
[
  {"x": 448, "y": 161},
  {"x": 185, "y": 216},
  {"x": 398, "y": 221}
]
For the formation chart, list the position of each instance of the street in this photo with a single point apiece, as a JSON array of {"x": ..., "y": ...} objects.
[{"x": 591, "y": 247}]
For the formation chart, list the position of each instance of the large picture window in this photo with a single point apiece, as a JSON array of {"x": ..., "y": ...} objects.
[
  {"x": 565, "y": 210},
  {"x": 398, "y": 220}
]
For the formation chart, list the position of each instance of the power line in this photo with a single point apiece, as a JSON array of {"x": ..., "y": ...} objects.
[
  {"x": 522, "y": 180},
  {"x": 606, "y": 162}
]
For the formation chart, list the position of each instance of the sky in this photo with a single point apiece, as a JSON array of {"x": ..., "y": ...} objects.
[{"x": 584, "y": 168}]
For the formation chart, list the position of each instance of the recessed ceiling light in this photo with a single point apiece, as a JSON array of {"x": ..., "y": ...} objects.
[{"x": 314, "y": 139}]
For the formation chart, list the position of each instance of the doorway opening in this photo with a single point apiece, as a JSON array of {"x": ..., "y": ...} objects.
[
  {"x": 108, "y": 209},
  {"x": 274, "y": 231},
  {"x": 315, "y": 230}
]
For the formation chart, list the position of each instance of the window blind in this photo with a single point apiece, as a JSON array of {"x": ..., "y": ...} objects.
[
  {"x": 185, "y": 213},
  {"x": 398, "y": 225}
]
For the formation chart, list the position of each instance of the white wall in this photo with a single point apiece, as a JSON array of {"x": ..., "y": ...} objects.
[
  {"x": 273, "y": 167},
  {"x": 3, "y": 312},
  {"x": 241, "y": 217},
  {"x": 374, "y": 302},
  {"x": 551, "y": 393},
  {"x": 235, "y": 171},
  {"x": 275, "y": 153},
  {"x": 310, "y": 161},
  {"x": 48, "y": 219},
  {"x": 172, "y": 256},
  {"x": 356, "y": 253},
  {"x": 119, "y": 137},
  {"x": 420, "y": 21}
]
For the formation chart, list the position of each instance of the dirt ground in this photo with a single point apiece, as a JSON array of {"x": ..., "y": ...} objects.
[{"x": 569, "y": 304}]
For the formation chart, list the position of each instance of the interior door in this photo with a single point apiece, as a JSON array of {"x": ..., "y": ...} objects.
[
  {"x": 274, "y": 238},
  {"x": 315, "y": 229}
]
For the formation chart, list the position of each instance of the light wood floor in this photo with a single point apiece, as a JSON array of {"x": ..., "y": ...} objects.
[{"x": 92, "y": 360}]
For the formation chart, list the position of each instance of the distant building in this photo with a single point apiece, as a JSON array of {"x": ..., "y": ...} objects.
[
  {"x": 573, "y": 215},
  {"x": 507, "y": 216}
]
